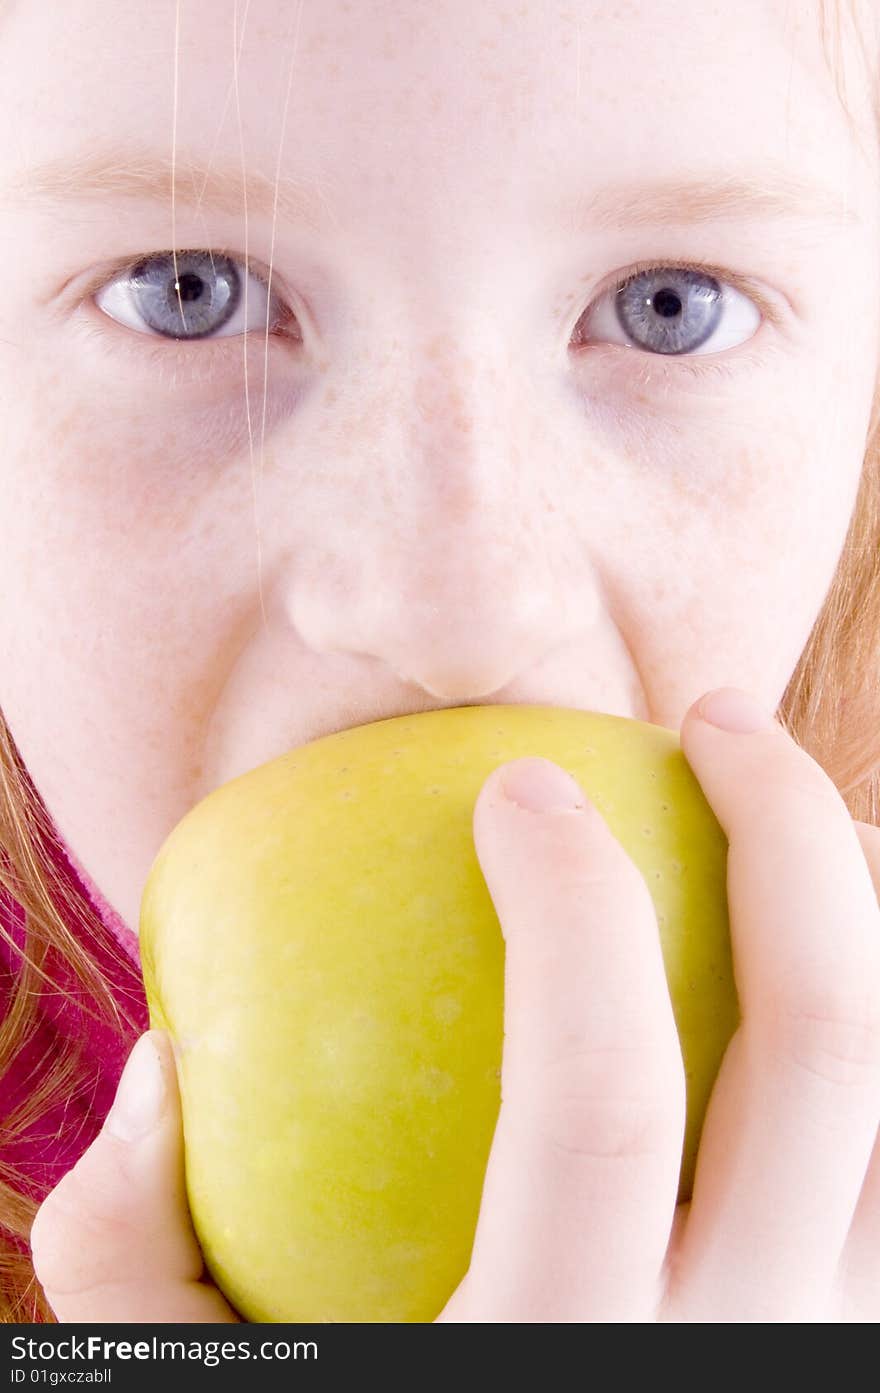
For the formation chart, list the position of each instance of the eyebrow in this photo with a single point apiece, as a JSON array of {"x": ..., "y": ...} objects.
[
  {"x": 769, "y": 194},
  {"x": 98, "y": 175}
]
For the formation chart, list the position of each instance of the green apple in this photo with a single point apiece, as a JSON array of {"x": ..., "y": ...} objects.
[{"x": 319, "y": 941}]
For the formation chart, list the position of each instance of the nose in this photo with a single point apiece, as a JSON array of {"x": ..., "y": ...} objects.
[
  {"x": 457, "y": 614},
  {"x": 459, "y": 604},
  {"x": 458, "y": 565}
]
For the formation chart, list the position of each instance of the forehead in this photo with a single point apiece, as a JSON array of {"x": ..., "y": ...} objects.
[{"x": 510, "y": 106}]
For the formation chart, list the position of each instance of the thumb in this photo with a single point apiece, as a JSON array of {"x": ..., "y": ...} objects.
[{"x": 114, "y": 1240}]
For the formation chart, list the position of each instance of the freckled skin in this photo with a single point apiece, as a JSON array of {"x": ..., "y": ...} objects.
[{"x": 445, "y": 504}]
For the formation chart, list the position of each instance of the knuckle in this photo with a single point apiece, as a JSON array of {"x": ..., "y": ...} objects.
[
  {"x": 838, "y": 1043},
  {"x": 590, "y": 862},
  {"x": 802, "y": 794},
  {"x": 593, "y": 1128},
  {"x": 75, "y": 1234},
  {"x": 57, "y": 1226},
  {"x": 608, "y": 1104},
  {"x": 869, "y": 837}
]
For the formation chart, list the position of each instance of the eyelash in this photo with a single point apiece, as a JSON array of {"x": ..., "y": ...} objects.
[
  {"x": 177, "y": 354},
  {"x": 699, "y": 366}
]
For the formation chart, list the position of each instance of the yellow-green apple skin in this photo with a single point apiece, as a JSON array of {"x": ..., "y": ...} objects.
[{"x": 319, "y": 941}]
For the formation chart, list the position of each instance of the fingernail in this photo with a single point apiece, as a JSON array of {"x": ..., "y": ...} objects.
[
  {"x": 540, "y": 786},
  {"x": 734, "y": 710},
  {"x": 138, "y": 1103}
]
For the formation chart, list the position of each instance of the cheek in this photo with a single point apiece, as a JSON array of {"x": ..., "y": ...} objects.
[
  {"x": 794, "y": 495},
  {"x": 766, "y": 550},
  {"x": 149, "y": 439},
  {"x": 136, "y": 496},
  {"x": 777, "y": 489},
  {"x": 116, "y": 540}
]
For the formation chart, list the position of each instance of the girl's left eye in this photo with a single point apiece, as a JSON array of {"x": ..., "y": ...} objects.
[
  {"x": 190, "y": 295},
  {"x": 675, "y": 311}
]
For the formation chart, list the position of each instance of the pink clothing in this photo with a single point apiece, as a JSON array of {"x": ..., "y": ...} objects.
[{"x": 47, "y": 1152}]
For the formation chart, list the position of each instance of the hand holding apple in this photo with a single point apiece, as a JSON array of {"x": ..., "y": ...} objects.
[
  {"x": 580, "y": 1189},
  {"x": 319, "y": 939}
]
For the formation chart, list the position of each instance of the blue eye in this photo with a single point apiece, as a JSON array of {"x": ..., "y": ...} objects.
[
  {"x": 193, "y": 295},
  {"x": 683, "y": 311},
  {"x": 673, "y": 310}
]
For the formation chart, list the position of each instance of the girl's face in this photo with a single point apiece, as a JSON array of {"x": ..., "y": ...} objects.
[{"x": 460, "y": 469}]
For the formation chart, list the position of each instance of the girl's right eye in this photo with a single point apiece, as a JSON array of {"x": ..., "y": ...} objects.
[{"x": 201, "y": 297}]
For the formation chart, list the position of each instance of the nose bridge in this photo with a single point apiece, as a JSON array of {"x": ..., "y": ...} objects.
[
  {"x": 463, "y": 461},
  {"x": 467, "y": 475},
  {"x": 446, "y": 571},
  {"x": 436, "y": 440}
]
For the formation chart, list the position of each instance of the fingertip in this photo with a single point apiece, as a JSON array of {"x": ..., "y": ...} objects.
[
  {"x": 162, "y": 1042},
  {"x": 540, "y": 786},
  {"x": 489, "y": 800},
  {"x": 140, "y": 1097},
  {"x": 735, "y": 711},
  {"x": 692, "y": 715}
]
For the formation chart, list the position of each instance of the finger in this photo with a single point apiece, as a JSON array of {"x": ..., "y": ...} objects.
[
  {"x": 859, "y": 1278},
  {"x": 114, "y": 1240},
  {"x": 860, "y": 1266},
  {"x": 795, "y": 1109},
  {"x": 869, "y": 838},
  {"x": 581, "y": 1184}
]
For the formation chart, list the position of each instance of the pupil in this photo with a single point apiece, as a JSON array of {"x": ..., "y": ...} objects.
[
  {"x": 667, "y": 303},
  {"x": 190, "y": 286}
]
